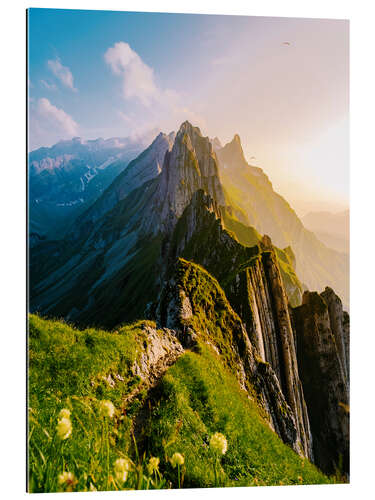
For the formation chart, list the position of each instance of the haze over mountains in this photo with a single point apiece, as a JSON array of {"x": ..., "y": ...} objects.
[
  {"x": 331, "y": 228},
  {"x": 270, "y": 213}
]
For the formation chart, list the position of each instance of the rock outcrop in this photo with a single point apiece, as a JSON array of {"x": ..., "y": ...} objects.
[
  {"x": 160, "y": 350},
  {"x": 322, "y": 336}
]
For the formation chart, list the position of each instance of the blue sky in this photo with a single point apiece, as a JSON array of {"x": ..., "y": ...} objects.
[{"x": 103, "y": 73}]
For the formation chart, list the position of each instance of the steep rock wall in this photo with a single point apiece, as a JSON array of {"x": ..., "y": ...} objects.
[
  {"x": 322, "y": 334},
  {"x": 258, "y": 295}
]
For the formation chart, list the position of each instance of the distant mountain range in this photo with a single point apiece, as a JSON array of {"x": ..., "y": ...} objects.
[
  {"x": 67, "y": 177},
  {"x": 331, "y": 229}
]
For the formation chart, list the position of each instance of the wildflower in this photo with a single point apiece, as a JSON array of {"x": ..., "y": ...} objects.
[
  {"x": 68, "y": 480},
  {"x": 66, "y": 477},
  {"x": 177, "y": 459},
  {"x": 64, "y": 428},
  {"x": 153, "y": 465},
  {"x": 122, "y": 467},
  {"x": 107, "y": 409},
  {"x": 218, "y": 443},
  {"x": 64, "y": 413}
]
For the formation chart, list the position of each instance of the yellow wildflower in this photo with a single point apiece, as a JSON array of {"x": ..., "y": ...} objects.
[
  {"x": 66, "y": 477},
  {"x": 64, "y": 428},
  {"x": 64, "y": 413},
  {"x": 218, "y": 443},
  {"x": 153, "y": 465},
  {"x": 122, "y": 467},
  {"x": 68, "y": 480},
  {"x": 107, "y": 409},
  {"x": 177, "y": 459}
]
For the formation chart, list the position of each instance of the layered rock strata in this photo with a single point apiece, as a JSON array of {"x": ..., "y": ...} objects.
[{"x": 322, "y": 334}]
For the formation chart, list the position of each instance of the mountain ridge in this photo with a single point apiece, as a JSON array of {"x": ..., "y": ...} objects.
[{"x": 267, "y": 211}]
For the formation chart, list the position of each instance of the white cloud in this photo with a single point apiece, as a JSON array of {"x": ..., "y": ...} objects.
[
  {"x": 165, "y": 108},
  {"x": 47, "y": 85},
  {"x": 61, "y": 72},
  {"x": 49, "y": 124},
  {"x": 57, "y": 117},
  {"x": 138, "y": 78},
  {"x": 124, "y": 116}
]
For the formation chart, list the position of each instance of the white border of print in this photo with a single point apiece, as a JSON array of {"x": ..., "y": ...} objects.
[{"x": 13, "y": 252}]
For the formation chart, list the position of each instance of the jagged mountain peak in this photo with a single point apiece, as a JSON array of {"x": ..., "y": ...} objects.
[
  {"x": 216, "y": 144},
  {"x": 189, "y": 166},
  {"x": 193, "y": 138},
  {"x": 232, "y": 153},
  {"x": 161, "y": 138},
  {"x": 187, "y": 127},
  {"x": 172, "y": 136}
]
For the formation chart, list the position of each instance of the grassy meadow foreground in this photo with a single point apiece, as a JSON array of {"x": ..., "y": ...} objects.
[{"x": 95, "y": 424}]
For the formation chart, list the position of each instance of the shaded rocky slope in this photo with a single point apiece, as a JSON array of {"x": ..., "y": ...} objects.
[
  {"x": 322, "y": 336},
  {"x": 316, "y": 265},
  {"x": 204, "y": 224},
  {"x": 145, "y": 167}
]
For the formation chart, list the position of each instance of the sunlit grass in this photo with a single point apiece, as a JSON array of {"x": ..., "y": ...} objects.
[{"x": 197, "y": 428}]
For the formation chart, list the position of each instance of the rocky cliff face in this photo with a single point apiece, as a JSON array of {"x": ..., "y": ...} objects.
[
  {"x": 306, "y": 349},
  {"x": 322, "y": 336},
  {"x": 277, "y": 337}
]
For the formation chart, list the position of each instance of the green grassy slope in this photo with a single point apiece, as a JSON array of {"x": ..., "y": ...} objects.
[
  {"x": 69, "y": 368},
  {"x": 197, "y": 396}
]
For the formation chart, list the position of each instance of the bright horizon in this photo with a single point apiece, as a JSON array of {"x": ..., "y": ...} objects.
[{"x": 280, "y": 83}]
